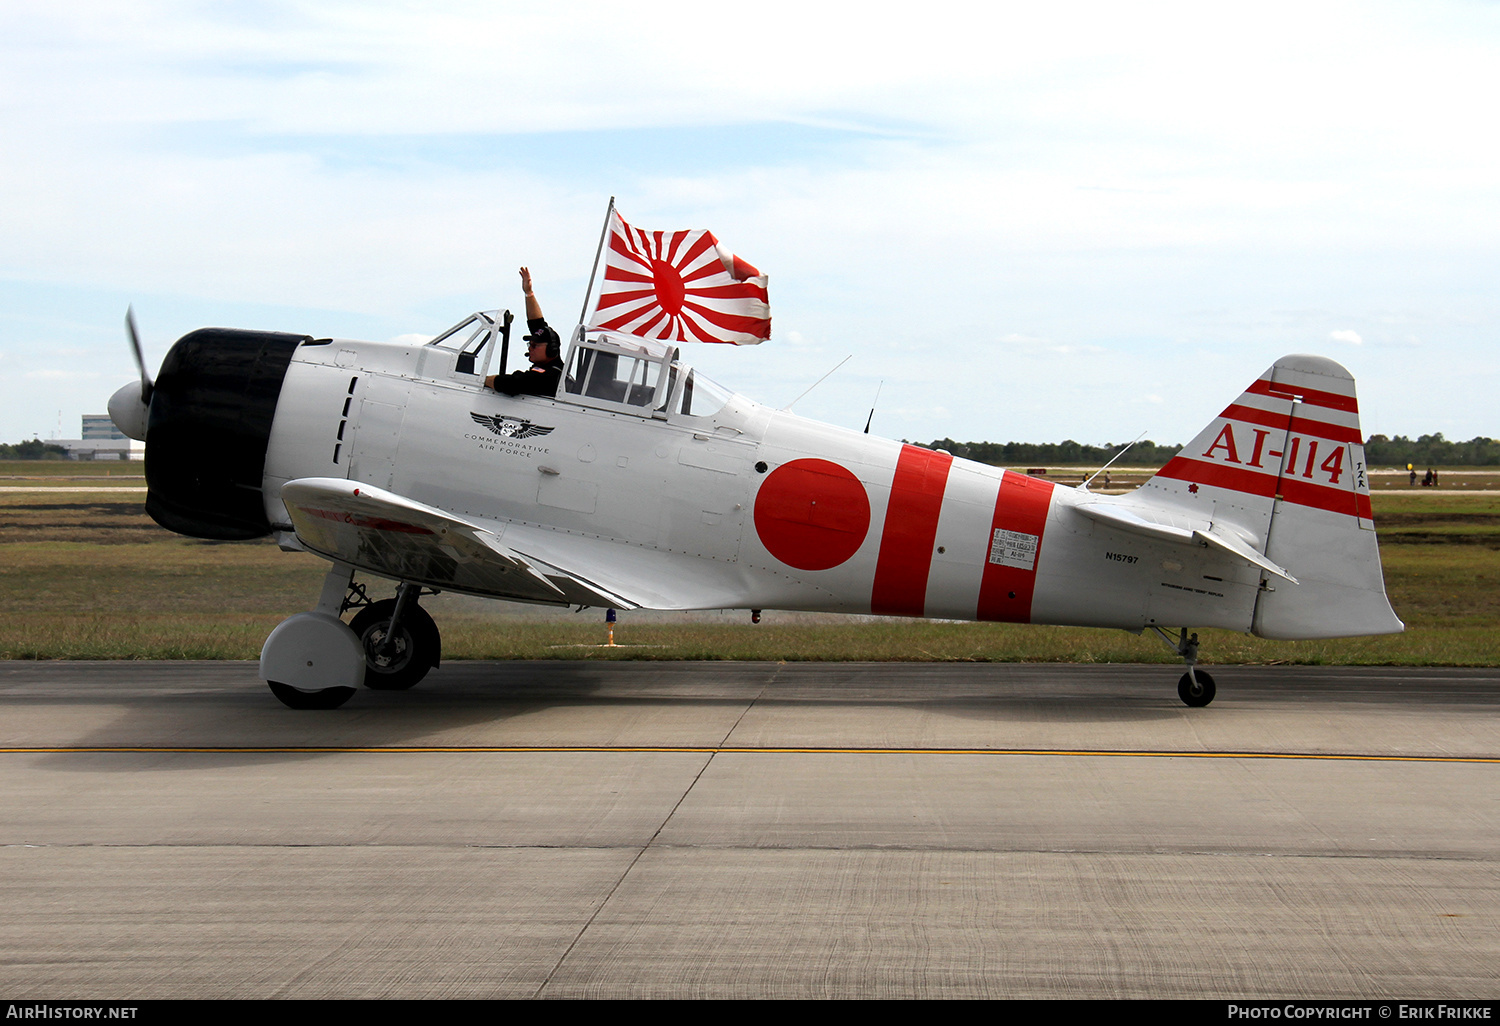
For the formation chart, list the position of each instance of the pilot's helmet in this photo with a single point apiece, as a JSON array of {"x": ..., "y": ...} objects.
[{"x": 547, "y": 334}]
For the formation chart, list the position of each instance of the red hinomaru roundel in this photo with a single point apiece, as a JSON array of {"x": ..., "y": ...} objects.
[{"x": 812, "y": 514}]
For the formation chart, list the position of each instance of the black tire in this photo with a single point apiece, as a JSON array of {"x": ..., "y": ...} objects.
[
  {"x": 1196, "y": 695},
  {"x": 293, "y": 698},
  {"x": 417, "y": 649}
]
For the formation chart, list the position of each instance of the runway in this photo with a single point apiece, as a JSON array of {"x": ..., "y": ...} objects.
[{"x": 640, "y": 829}]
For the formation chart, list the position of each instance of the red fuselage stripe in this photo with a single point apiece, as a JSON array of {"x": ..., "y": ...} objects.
[
  {"x": 1310, "y": 396},
  {"x": 910, "y": 531},
  {"x": 1005, "y": 591}
]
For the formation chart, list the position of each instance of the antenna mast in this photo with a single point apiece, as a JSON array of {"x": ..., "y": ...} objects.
[
  {"x": 787, "y": 408},
  {"x": 1085, "y": 485},
  {"x": 876, "y": 403}
]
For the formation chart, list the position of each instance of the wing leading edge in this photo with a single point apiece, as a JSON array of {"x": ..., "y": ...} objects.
[{"x": 388, "y": 534}]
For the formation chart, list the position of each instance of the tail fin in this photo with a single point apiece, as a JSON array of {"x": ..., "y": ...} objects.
[{"x": 1285, "y": 464}]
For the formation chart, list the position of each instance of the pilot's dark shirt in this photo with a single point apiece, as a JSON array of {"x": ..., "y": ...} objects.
[{"x": 539, "y": 379}]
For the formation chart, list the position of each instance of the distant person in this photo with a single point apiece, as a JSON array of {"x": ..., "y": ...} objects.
[
  {"x": 1413, "y": 473},
  {"x": 544, "y": 350},
  {"x": 1427, "y": 478}
]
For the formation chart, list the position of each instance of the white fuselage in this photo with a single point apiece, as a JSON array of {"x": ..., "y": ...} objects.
[{"x": 747, "y": 507}]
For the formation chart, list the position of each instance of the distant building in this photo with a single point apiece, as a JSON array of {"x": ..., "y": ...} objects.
[
  {"x": 101, "y": 441},
  {"x": 98, "y": 425}
]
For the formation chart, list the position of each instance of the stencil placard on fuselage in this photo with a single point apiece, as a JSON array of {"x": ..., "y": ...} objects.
[{"x": 1012, "y": 548}]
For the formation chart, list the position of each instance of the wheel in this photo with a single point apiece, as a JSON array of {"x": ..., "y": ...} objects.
[
  {"x": 415, "y": 650},
  {"x": 293, "y": 698},
  {"x": 1197, "y": 694}
]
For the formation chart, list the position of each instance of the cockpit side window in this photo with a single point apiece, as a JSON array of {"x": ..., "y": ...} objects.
[
  {"x": 642, "y": 383},
  {"x": 604, "y": 376},
  {"x": 643, "y": 377},
  {"x": 471, "y": 340},
  {"x": 467, "y": 336},
  {"x": 701, "y": 396}
]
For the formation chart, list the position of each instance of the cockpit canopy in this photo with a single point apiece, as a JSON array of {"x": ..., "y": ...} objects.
[
  {"x": 642, "y": 376},
  {"x": 474, "y": 339}
]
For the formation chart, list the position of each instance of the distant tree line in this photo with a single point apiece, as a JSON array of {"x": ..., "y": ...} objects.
[
  {"x": 1432, "y": 451},
  {"x": 1380, "y": 451},
  {"x": 36, "y": 449},
  {"x": 1040, "y": 454}
]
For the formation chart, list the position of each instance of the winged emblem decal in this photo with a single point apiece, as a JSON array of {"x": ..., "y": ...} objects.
[{"x": 510, "y": 427}]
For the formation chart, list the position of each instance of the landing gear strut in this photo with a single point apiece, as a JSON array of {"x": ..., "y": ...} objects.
[
  {"x": 400, "y": 641},
  {"x": 1196, "y": 688}
]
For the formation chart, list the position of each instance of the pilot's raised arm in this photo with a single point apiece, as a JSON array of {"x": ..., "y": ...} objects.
[{"x": 544, "y": 350}]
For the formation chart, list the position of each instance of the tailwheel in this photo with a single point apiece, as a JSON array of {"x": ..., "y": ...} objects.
[
  {"x": 1196, "y": 688},
  {"x": 323, "y": 698},
  {"x": 397, "y": 660}
]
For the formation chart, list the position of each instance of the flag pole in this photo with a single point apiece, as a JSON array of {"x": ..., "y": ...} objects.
[{"x": 595, "y": 269}]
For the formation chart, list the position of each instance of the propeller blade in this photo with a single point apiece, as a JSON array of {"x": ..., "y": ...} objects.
[{"x": 140, "y": 359}]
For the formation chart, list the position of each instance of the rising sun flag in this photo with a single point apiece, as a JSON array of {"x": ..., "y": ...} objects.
[{"x": 679, "y": 287}]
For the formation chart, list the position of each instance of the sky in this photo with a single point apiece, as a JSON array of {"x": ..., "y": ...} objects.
[{"x": 1029, "y": 222}]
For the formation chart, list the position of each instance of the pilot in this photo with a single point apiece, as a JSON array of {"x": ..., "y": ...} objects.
[{"x": 544, "y": 350}]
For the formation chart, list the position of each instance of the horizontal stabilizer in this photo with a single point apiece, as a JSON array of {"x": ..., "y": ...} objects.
[
  {"x": 1236, "y": 546},
  {"x": 1173, "y": 527},
  {"x": 1151, "y": 523}
]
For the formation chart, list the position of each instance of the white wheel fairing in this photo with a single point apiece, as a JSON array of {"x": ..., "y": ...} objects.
[{"x": 313, "y": 651}]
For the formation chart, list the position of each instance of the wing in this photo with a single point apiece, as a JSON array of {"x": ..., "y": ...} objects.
[
  {"x": 390, "y": 535},
  {"x": 640, "y": 576},
  {"x": 393, "y": 536}
]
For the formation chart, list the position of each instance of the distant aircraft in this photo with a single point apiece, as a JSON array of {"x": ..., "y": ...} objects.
[{"x": 642, "y": 484}]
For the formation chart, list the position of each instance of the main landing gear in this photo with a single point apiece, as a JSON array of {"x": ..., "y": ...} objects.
[
  {"x": 316, "y": 661},
  {"x": 1196, "y": 688},
  {"x": 400, "y": 641}
]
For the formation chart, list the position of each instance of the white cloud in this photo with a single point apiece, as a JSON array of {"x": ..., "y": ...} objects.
[
  {"x": 1033, "y": 344},
  {"x": 58, "y": 374},
  {"x": 1083, "y": 172}
]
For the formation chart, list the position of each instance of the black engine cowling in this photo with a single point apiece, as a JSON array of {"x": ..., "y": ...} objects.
[{"x": 207, "y": 431}]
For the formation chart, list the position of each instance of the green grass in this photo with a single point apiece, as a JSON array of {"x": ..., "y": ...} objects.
[
  {"x": 70, "y": 468},
  {"x": 88, "y": 576}
]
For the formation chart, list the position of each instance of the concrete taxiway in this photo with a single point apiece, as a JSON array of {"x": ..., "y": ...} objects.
[{"x": 578, "y": 829}]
